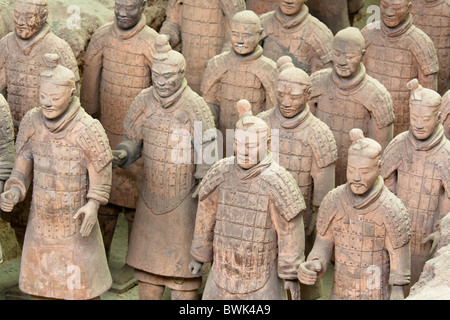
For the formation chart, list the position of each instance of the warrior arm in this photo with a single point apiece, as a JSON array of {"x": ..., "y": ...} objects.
[
  {"x": 133, "y": 149},
  {"x": 382, "y": 135},
  {"x": 22, "y": 172},
  {"x": 322, "y": 251},
  {"x": 429, "y": 81},
  {"x": 324, "y": 181},
  {"x": 7, "y": 152},
  {"x": 400, "y": 263},
  {"x": 3, "y": 58},
  {"x": 171, "y": 26}
]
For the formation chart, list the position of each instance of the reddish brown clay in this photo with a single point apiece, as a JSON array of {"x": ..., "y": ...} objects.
[
  {"x": 67, "y": 156},
  {"x": 445, "y": 114},
  {"x": 433, "y": 18},
  {"x": 202, "y": 28},
  {"x": 240, "y": 72},
  {"x": 346, "y": 97},
  {"x": 117, "y": 68},
  {"x": 290, "y": 30},
  {"x": 397, "y": 52},
  {"x": 261, "y": 6},
  {"x": 366, "y": 227},
  {"x": 304, "y": 146},
  {"x": 249, "y": 220},
  {"x": 7, "y": 152},
  {"x": 416, "y": 167},
  {"x": 162, "y": 125}
]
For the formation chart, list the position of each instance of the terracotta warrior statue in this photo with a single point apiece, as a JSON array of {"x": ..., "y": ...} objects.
[
  {"x": 21, "y": 62},
  {"x": 290, "y": 30},
  {"x": 305, "y": 147},
  {"x": 202, "y": 28},
  {"x": 172, "y": 129},
  {"x": 117, "y": 68},
  {"x": 346, "y": 97},
  {"x": 7, "y": 151},
  {"x": 65, "y": 153},
  {"x": 397, "y": 52},
  {"x": 433, "y": 18},
  {"x": 241, "y": 72},
  {"x": 416, "y": 167},
  {"x": 366, "y": 227},
  {"x": 445, "y": 114},
  {"x": 249, "y": 221}
]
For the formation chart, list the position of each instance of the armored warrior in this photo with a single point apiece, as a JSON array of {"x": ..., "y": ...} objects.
[
  {"x": 366, "y": 227},
  {"x": 346, "y": 97},
  {"x": 416, "y": 167},
  {"x": 433, "y": 18},
  {"x": 249, "y": 220},
  {"x": 397, "y": 52},
  {"x": 290, "y": 30},
  {"x": 118, "y": 67},
  {"x": 21, "y": 62},
  {"x": 202, "y": 28},
  {"x": 6, "y": 142},
  {"x": 240, "y": 72},
  {"x": 445, "y": 114},
  {"x": 162, "y": 125},
  {"x": 66, "y": 154},
  {"x": 304, "y": 146}
]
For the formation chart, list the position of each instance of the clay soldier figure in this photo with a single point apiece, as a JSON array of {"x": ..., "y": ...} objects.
[
  {"x": 397, "y": 52},
  {"x": 416, "y": 167},
  {"x": 306, "y": 148},
  {"x": 67, "y": 156},
  {"x": 433, "y": 18},
  {"x": 346, "y": 97},
  {"x": 161, "y": 125},
  {"x": 366, "y": 227},
  {"x": 21, "y": 62},
  {"x": 202, "y": 28},
  {"x": 249, "y": 221},
  {"x": 290, "y": 30},
  {"x": 7, "y": 151},
  {"x": 445, "y": 114},
  {"x": 117, "y": 68},
  {"x": 240, "y": 72}
]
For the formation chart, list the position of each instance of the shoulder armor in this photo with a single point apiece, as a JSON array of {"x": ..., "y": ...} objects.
[
  {"x": 137, "y": 109},
  {"x": 214, "y": 177},
  {"x": 267, "y": 72},
  {"x": 319, "y": 80},
  {"x": 322, "y": 142},
  {"x": 379, "y": 102},
  {"x": 423, "y": 50},
  {"x": 6, "y": 124},
  {"x": 396, "y": 219},
  {"x": 215, "y": 68},
  {"x": 370, "y": 31},
  {"x": 321, "y": 38},
  {"x": 65, "y": 52},
  {"x": 27, "y": 128},
  {"x": 231, "y": 7},
  {"x": 265, "y": 115},
  {"x": 392, "y": 156},
  {"x": 285, "y": 192},
  {"x": 444, "y": 166},
  {"x": 328, "y": 209},
  {"x": 94, "y": 142}
]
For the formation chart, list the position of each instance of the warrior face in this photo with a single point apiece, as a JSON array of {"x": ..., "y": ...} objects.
[
  {"x": 347, "y": 57},
  {"x": 28, "y": 19},
  {"x": 394, "y": 12},
  {"x": 250, "y": 146},
  {"x": 246, "y": 32},
  {"x": 424, "y": 120},
  {"x": 167, "y": 78},
  {"x": 362, "y": 172},
  {"x": 292, "y": 98},
  {"x": 128, "y": 12},
  {"x": 291, "y": 7},
  {"x": 54, "y": 99}
]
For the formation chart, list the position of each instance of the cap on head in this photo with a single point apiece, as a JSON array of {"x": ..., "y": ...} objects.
[
  {"x": 247, "y": 17},
  {"x": 247, "y": 121},
  {"x": 165, "y": 54},
  {"x": 362, "y": 146},
  {"x": 43, "y": 3},
  {"x": 57, "y": 73},
  {"x": 423, "y": 96},
  {"x": 352, "y": 36},
  {"x": 289, "y": 73}
]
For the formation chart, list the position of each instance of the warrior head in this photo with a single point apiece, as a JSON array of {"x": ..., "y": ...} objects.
[
  {"x": 246, "y": 32},
  {"x": 252, "y": 137},
  {"x": 29, "y": 17},
  {"x": 291, "y": 7},
  {"x": 168, "y": 70},
  {"x": 57, "y": 87},
  {"x": 424, "y": 107},
  {"x": 128, "y": 12},
  {"x": 394, "y": 12},
  {"x": 293, "y": 88},
  {"x": 348, "y": 52},
  {"x": 445, "y": 113},
  {"x": 364, "y": 162}
]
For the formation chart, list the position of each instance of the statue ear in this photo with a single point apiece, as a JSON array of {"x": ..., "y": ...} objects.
[
  {"x": 44, "y": 15},
  {"x": 143, "y": 6}
]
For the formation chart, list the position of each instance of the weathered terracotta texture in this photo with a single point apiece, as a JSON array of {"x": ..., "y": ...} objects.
[
  {"x": 416, "y": 168},
  {"x": 67, "y": 156},
  {"x": 397, "y": 52},
  {"x": 202, "y": 28},
  {"x": 445, "y": 113},
  {"x": 249, "y": 221},
  {"x": 304, "y": 146},
  {"x": 162, "y": 126},
  {"x": 241, "y": 72},
  {"x": 261, "y": 6},
  {"x": 299, "y": 35},
  {"x": 433, "y": 18},
  {"x": 6, "y": 142},
  {"x": 346, "y": 97},
  {"x": 366, "y": 227}
]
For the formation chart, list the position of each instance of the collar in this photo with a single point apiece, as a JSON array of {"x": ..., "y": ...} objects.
[
  {"x": 27, "y": 45},
  {"x": 130, "y": 33},
  {"x": 426, "y": 145},
  {"x": 60, "y": 124},
  {"x": 398, "y": 30},
  {"x": 352, "y": 83},
  {"x": 166, "y": 103},
  {"x": 291, "y": 22},
  {"x": 363, "y": 201},
  {"x": 255, "y": 171},
  {"x": 250, "y": 57},
  {"x": 294, "y": 122}
]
